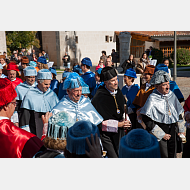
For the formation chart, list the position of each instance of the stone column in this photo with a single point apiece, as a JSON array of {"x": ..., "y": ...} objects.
[
  {"x": 3, "y": 46},
  {"x": 124, "y": 43}
]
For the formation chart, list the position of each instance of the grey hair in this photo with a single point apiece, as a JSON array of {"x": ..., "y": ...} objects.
[{"x": 40, "y": 81}]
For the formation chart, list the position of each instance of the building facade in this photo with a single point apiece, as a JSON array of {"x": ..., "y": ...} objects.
[
  {"x": 3, "y": 46},
  {"x": 78, "y": 44}
]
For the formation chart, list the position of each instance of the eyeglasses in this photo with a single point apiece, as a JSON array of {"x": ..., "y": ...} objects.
[{"x": 14, "y": 103}]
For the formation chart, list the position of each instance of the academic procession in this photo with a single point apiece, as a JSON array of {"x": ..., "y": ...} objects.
[{"x": 87, "y": 114}]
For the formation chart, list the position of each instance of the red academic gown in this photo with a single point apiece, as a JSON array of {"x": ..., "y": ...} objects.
[
  {"x": 16, "y": 82},
  {"x": 16, "y": 142}
]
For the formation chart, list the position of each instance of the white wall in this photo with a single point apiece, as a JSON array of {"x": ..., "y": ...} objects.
[
  {"x": 3, "y": 46},
  {"x": 91, "y": 43}
]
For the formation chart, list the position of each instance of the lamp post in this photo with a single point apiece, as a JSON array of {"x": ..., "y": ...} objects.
[{"x": 175, "y": 58}]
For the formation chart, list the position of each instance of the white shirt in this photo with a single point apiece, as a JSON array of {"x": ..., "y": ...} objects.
[
  {"x": 2, "y": 117},
  {"x": 147, "y": 86},
  {"x": 112, "y": 93},
  {"x": 129, "y": 87}
]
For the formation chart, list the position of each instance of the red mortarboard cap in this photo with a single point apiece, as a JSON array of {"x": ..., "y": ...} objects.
[
  {"x": 7, "y": 91},
  {"x": 12, "y": 66}
]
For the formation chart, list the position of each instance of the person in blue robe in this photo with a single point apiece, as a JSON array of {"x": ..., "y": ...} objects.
[
  {"x": 54, "y": 82},
  {"x": 37, "y": 102},
  {"x": 77, "y": 69},
  {"x": 88, "y": 76},
  {"x": 130, "y": 91},
  {"x": 62, "y": 92},
  {"x": 79, "y": 107},
  {"x": 98, "y": 81},
  {"x": 30, "y": 74}
]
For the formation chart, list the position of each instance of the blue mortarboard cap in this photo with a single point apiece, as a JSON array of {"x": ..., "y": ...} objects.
[
  {"x": 42, "y": 59},
  {"x": 30, "y": 71},
  {"x": 66, "y": 74},
  {"x": 138, "y": 143},
  {"x": 85, "y": 89},
  {"x": 130, "y": 73},
  {"x": 59, "y": 124},
  {"x": 86, "y": 61},
  {"x": 73, "y": 81},
  {"x": 44, "y": 74},
  {"x": 99, "y": 71},
  {"x": 77, "y": 69},
  {"x": 76, "y": 136},
  {"x": 161, "y": 66},
  {"x": 33, "y": 64},
  {"x": 52, "y": 70}
]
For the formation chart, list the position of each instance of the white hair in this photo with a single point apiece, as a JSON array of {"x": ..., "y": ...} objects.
[{"x": 40, "y": 81}]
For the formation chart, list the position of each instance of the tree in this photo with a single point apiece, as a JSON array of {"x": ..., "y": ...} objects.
[{"x": 21, "y": 39}]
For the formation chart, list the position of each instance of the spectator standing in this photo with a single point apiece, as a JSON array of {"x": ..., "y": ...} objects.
[
  {"x": 100, "y": 64},
  {"x": 66, "y": 60},
  {"x": 29, "y": 56},
  {"x": 115, "y": 57},
  {"x": 34, "y": 57},
  {"x": 45, "y": 55},
  {"x": 142, "y": 63},
  {"x": 129, "y": 63},
  {"x": 103, "y": 57}
]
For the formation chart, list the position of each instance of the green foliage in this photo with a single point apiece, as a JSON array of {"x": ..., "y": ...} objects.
[
  {"x": 158, "y": 54},
  {"x": 183, "y": 56},
  {"x": 21, "y": 39}
]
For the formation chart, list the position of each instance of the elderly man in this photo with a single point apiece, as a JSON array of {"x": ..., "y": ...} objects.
[
  {"x": 79, "y": 107},
  {"x": 162, "y": 114},
  {"x": 88, "y": 76},
  {"x": 12, "y": 69},
  {"x": 109, "y": 102},
  {"x": 29, "y": 73},
  {"x": 37, "y": 102},
  {"x": 15, "y": 142}
]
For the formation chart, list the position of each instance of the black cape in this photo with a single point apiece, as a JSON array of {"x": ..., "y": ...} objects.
[{"x": 104, "y": 103}]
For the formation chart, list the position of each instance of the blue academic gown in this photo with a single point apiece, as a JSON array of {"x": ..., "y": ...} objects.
[
  {"x": 175, "y": 89},
  {"x": 55, "y": 85},
  {"x": 82, "y": 110},
  {"x": 61, "y": 91},
  {"x": 34, "y": 105},
  {"x": 96, "y": 88},
  {"x": 131, "y": 94},
  {"x": 89, "y": 79},
  {"x": 21, "y": 91}
]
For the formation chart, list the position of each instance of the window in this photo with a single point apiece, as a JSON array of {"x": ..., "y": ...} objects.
[
  {"x": 111, "y": 38},
  {"x": 107, "y": 38},
  {"x": 76, "y": 39}
]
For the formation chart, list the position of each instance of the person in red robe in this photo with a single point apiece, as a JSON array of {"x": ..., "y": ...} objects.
[
  {"x": 12, "y": 69},
  {"x": 15, "y": 142}
]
